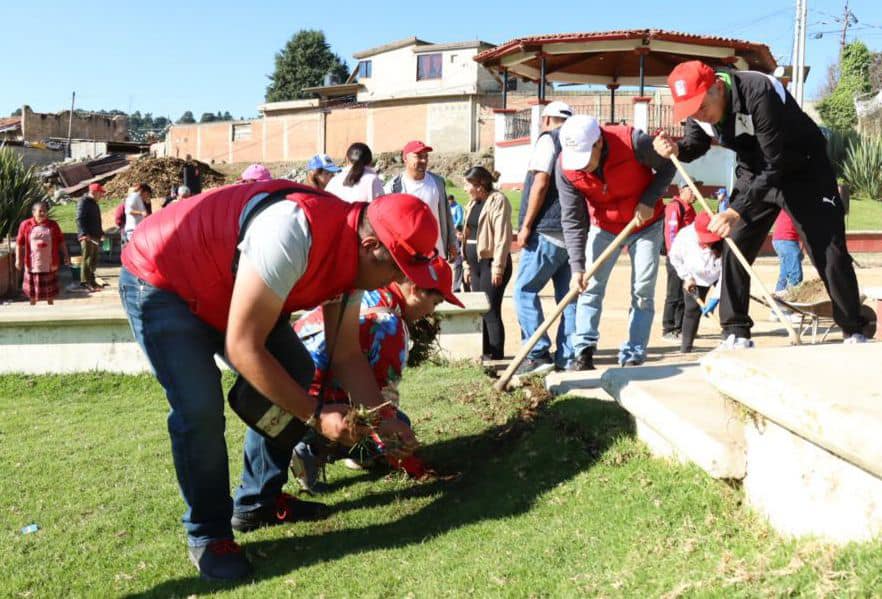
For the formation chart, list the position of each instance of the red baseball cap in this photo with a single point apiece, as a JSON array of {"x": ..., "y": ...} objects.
[
  {"x": 405, "y": 225},
  {"x": 96, "y": 188},
  {"x": 442, "y": 274},
  {"x": 705, "y": 236},
  {"x": 689, "y": 82},
  {"x": 415, "y": 147}
]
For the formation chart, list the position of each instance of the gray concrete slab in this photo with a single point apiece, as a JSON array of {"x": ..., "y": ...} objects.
[
  {"x": 675, "y": 403},
  {"x": 830, "y": 395}
]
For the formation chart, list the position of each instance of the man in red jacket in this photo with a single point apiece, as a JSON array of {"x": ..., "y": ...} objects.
[
  {"x": 607, "y": 173},
  {"x": 220, "y": 274}
]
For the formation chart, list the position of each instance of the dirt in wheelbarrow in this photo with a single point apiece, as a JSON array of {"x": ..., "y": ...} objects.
[{"x": 807, "y": 292}]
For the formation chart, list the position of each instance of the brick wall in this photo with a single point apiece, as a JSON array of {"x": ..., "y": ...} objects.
[{"x": 37, "y": 126}]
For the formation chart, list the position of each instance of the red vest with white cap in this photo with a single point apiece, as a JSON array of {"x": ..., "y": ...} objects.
[
  {"x": 613, "y": 200},
  {"x": 188, "y": 248}
]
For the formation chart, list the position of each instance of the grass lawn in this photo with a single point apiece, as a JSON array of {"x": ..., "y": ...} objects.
[
  {"x": 554, "y": 500},
  {"x": 66, "y": 214}
]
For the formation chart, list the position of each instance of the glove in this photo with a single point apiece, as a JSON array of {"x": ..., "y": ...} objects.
[{"x": 710, "y": 306}]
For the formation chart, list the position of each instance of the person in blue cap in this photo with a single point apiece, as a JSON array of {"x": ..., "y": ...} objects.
[{"x": 321, "y": 170}]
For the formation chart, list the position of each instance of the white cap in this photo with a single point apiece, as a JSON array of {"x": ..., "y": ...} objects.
[
  {"x": 577, "y": 138},
  {"x": 557, "y": 109}
]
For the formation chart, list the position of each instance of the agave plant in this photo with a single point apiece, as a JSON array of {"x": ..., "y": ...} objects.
[
  {"x": 838, "y": 144},
  {"x": 863, "y": 167},
  {"x": 20, "y": 187}
]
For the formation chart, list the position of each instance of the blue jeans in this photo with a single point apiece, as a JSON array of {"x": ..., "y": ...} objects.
[
  {"x": 181, "y": 348},
  {"x": 542, "y": 261},
  {"x": 790, "y": 255},
  {"x": 644, "y": 248}
]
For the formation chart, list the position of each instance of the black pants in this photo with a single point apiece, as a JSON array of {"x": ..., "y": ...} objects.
[
  {"x": 672, "y": 317},
  {"x": 812, "y": 200},
  {"x": 482, "y": 280},
  {"x": 691, "y": 318}
]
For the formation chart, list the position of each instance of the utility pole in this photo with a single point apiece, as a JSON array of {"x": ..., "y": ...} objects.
[
  {"x": 73, "y": 97},
  {"x": 846, "y": 21},
  {"x": 798, "y": 54}
]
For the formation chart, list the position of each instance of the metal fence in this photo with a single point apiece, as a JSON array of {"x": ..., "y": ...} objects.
[
  {"x": 661, "y": 116},
  {"x": 517, "y": 125}
]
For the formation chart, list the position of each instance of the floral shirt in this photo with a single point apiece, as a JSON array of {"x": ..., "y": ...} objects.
[{"x": 383, "y": 337}]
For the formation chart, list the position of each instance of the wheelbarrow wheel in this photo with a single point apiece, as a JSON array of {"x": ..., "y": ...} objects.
[{"x": 870, "y": 316}]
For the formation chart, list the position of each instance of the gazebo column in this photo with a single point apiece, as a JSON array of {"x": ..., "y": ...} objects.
[
  {"x": 612, "y": 87},
  {"x": 641, "y": 113},
  {"x": 505, "y": 89},
  {"x": 542, "y": 78},
  {"x": 642, "y": 52}
]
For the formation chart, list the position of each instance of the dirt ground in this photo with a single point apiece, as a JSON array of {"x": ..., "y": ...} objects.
[{"x": 614, "y": 319}]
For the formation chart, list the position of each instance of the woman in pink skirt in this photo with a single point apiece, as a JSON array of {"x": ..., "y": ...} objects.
[{"x": 39, "y": 242}]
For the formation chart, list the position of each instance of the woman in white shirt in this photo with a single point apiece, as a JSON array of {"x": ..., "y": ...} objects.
[
  {"x": 136, "y": 208},
  {"x": 695, "y": 255},
  {"x": 358, "y": 182}
]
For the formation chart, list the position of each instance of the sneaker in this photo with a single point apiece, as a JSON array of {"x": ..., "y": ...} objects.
[
  {"x": 305, "y": 468},
  {"x": 585, "y": 360},
  {"x": 630, "y": 359},
  {"x": 855, "y": 338},
  {"x": 286, "y": 509},
  {"x": 220, "y": 560},
  {"x": 671, "y": 337},
  {"x": 733, "y": 342},
  {"x": 531, "y": 366}
]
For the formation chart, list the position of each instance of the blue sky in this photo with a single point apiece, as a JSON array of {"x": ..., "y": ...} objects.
[{"x": 168, "y": 56}]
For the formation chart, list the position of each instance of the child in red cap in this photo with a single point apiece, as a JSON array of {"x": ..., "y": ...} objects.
[{"x": 695, "y": 256}]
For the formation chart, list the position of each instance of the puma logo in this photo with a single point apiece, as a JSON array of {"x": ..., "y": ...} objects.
[{"x": 830, "y": 201}]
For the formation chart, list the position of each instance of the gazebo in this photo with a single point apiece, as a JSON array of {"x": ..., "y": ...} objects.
[{"x": 636, "y": 58}]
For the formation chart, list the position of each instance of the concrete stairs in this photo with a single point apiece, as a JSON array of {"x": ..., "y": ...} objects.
[{"x": 798, "y": 425}]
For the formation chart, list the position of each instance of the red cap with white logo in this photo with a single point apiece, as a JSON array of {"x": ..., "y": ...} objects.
[{"x": 689, "y": 82}]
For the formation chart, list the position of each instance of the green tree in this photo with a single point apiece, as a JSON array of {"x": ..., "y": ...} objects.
[
  {"x": 837, "y": 109},
  {"x": 207, "y": 117},
  {"x": 303, "y": 62},
  {"x": 228, "y": 116},
  {"x": 186, "y": 118},
  {"x": 16, "y": 112}
]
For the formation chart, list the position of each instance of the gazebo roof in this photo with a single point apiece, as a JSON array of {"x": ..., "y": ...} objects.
[{"x": 614, "y": 56}]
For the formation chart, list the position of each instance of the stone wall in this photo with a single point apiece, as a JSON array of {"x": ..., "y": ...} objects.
[{"x": 39, "y": 126}]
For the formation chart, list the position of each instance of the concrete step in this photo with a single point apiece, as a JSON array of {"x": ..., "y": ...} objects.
[
  {"x": 813, "y": 444},
  {"x": 679, "y": 415},
  {"x": 585, "y": 383},
  {"x": 829, "y": 394}
]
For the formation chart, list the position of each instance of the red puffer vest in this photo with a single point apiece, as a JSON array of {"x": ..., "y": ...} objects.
[
  {"x": 188, "y": 248},
  {"x": 613, "y": 200}
]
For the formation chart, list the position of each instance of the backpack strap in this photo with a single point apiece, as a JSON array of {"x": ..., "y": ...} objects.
[{"x": 251, "y": 210}]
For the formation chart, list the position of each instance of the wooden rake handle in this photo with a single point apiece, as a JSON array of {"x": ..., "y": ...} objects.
[
  {"x": 573, "y": 293},
  {"x": 794, "y": 335}
]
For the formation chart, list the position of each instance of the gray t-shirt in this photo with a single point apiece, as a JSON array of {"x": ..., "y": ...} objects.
[{"x": 277, "y": 245}]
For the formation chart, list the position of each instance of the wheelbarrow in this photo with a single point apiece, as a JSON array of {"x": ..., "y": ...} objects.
[{"x": 817, "y": 317}]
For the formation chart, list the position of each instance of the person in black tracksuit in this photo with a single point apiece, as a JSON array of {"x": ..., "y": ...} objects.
[{"x": 781, "y": 163}]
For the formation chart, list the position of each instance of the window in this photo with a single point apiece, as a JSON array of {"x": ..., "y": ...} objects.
[
  {"x": 365, "y": 67},
  {"x": 242, "y": 132},
  {"x": 428, "y": 66}
]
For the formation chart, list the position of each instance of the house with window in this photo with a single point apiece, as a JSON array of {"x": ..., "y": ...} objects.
[{"x": 403, "y": 90}]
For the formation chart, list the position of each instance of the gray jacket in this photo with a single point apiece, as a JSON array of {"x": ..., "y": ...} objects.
[
  {"x": 574, "y": 217},
  {"x": 445, "y": 218}
]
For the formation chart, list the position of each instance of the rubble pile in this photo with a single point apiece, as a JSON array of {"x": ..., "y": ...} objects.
[{"x": 161, "y": 174}]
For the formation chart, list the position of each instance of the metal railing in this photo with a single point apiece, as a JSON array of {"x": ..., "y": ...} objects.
[
  {"x": 661, "y": 116},
  {"x": 517, "y": 125}
]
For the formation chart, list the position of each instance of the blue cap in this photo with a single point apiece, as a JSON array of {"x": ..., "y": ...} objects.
[
  {"x": 721, "y": 190},
  {"x": 324, "y": 162}
]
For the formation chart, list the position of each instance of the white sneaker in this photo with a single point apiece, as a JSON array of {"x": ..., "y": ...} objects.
[
  {"x": 733, "y": 342},
  {"x": 855, "y": 338}
]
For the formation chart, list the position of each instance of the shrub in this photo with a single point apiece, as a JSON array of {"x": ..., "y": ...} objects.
[{"x": 862, "y": 168}]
